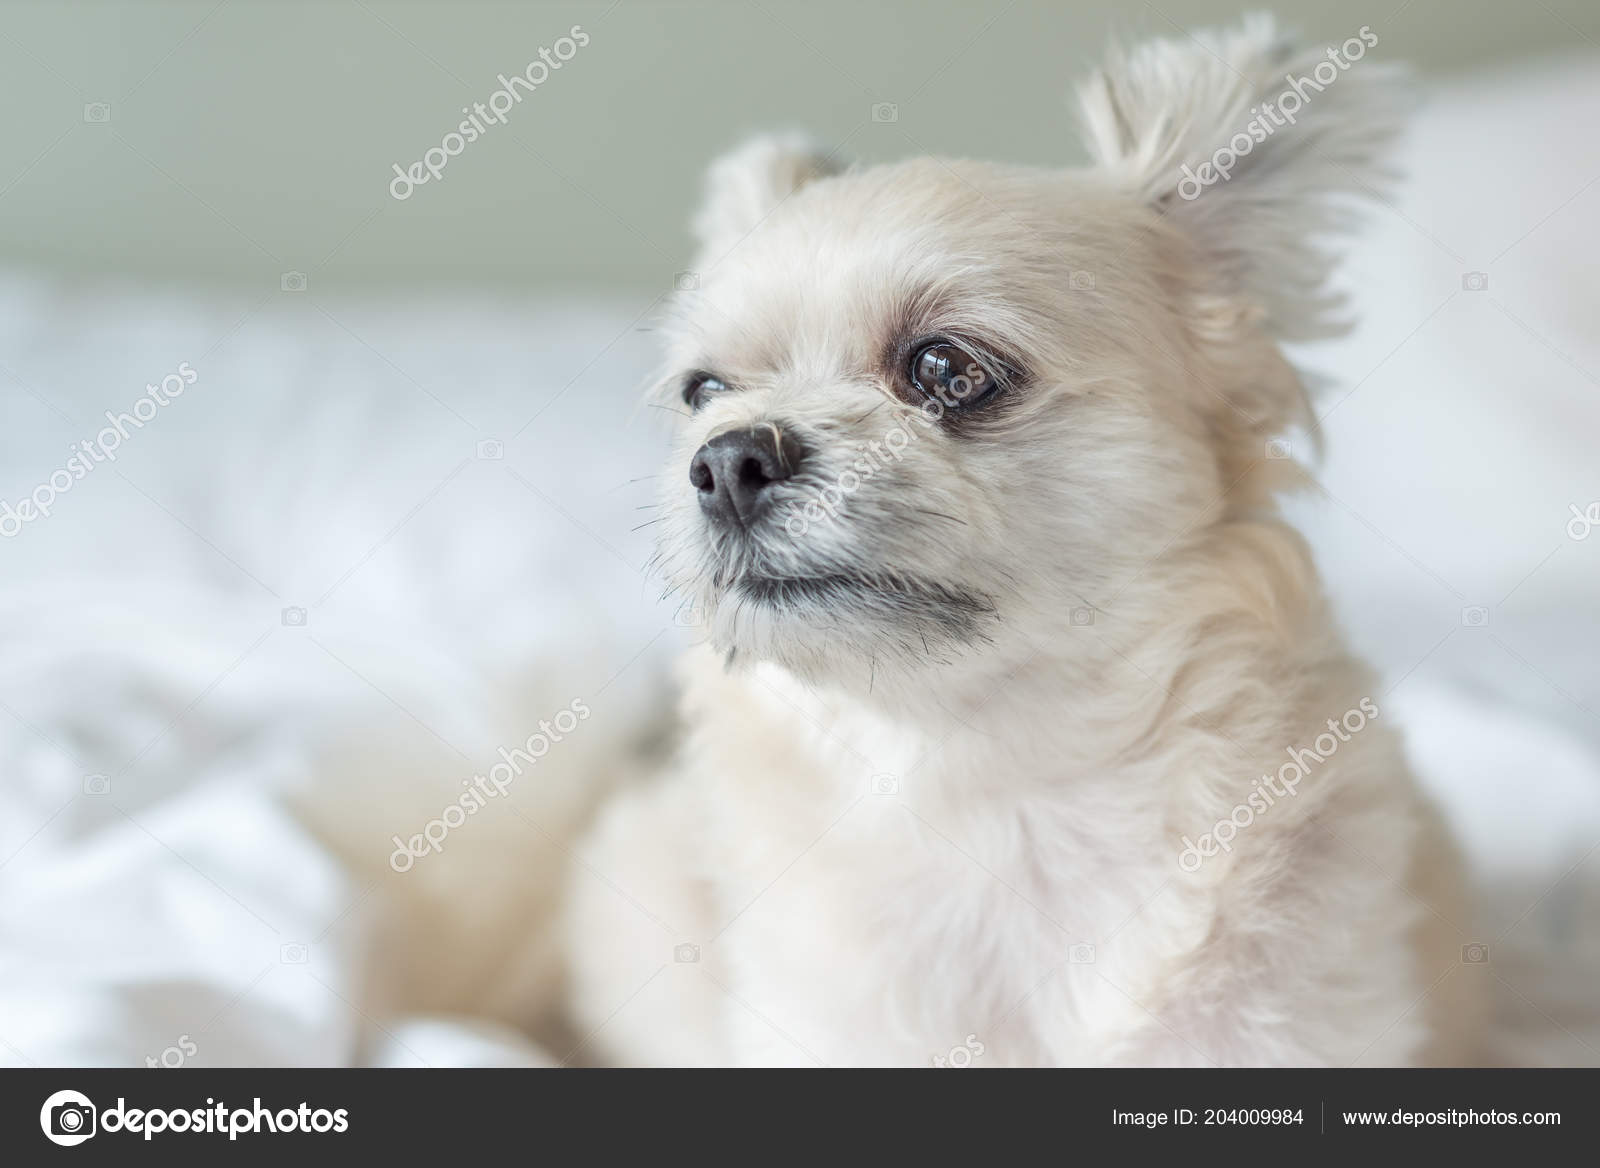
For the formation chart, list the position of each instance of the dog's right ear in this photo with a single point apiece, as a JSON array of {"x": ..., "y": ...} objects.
[
  {"x": 747, "y": 184},
  {"x": 1252, "y": 147}
]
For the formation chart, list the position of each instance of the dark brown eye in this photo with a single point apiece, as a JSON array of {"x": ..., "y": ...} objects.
[
  {"x": 951, "y": 376},
  {"x": 700, "y": 386}
]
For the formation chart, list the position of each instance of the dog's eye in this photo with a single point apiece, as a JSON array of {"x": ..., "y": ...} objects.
[
  {"x": 950, "y": 375},
  {"x": 700, "y": 386}
]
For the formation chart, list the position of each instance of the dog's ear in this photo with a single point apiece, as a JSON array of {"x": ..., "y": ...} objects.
[
  {"x": 747, "y": 184},
  {"x": 1252, "y": 148}
]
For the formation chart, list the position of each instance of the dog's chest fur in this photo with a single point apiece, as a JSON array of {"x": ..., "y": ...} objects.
[{"x": 886, "y": 895}]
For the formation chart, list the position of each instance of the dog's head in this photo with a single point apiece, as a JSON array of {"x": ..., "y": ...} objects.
[{"x": 943, "y": 411}]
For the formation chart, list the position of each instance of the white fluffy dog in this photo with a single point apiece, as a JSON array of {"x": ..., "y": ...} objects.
[{"x": 1022, "y": 735}]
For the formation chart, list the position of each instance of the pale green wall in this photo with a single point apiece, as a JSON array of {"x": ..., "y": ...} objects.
[{"x": 263, "y": 138}]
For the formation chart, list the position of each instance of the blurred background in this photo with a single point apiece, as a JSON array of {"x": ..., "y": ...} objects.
[
  {"x": 245, "y": 137},
  {"x": 400, "y": 512}
]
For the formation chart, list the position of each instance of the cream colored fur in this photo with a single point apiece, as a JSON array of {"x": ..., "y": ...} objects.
[{"x": 941, "y": 801}]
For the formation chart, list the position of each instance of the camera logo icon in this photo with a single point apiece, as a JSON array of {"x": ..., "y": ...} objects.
[
  {"x": 1475, "y": 616},
  {"x": 97, "y": 111},
  {"x": 294, "y": 617},
  {"x": 68, "y": 1118},
  {"x": 1475, "y": 954},
  {"x": 491, "y": 450},
  {"x": 294, "y": 953},
  {"x": 1082, "y": 617},
  {"x": 686, "y": 954},
  {"x": 292, "y": 281},
  {"x": 97, "y": 784},
  {"x": 885, "y": 784},
  {"x": 885, "y": 111},
  {"x": 1081, "y": 954},
  {"x": 688, "y": 616},
  {"x": 1081, "y": 281},
  {"x": 1279, "y": 448},
  {"x": 1475, "y": 281},
  {"x": 686, "y": 282}
]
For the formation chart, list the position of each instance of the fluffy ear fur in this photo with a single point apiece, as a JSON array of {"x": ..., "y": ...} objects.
[
  {"x": 747, "y": 184},
  {"x": 1250, "y": 146}
]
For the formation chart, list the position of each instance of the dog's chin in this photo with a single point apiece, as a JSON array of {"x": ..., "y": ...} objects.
[{"x": 843, "y": 623}]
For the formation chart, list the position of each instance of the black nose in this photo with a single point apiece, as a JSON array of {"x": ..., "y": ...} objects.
[{"x": 733, "y": 471}]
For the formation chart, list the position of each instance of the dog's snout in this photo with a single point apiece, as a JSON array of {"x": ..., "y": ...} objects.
[{"x": 732, "y": 471}]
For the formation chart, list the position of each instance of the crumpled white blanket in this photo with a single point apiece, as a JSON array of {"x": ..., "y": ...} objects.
[{"x": 311, "y": 598}]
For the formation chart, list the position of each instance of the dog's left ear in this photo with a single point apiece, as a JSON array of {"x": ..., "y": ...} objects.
[
  {"x": 1251, "y": 148},
  {"x": 747, "y": 184}
]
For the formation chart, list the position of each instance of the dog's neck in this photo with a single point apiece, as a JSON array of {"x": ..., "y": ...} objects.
[{"x": 1066, "y": 704}]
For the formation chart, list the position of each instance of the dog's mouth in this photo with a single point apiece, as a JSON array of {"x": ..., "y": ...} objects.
[
  {"x": 833, "y": 586},
  {"x": 843, "y": 598}
]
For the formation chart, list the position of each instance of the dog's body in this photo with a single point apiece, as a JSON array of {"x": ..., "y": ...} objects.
[
  {"x": 842, "y": 922},
  {"x": 986, "y": 681}
]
